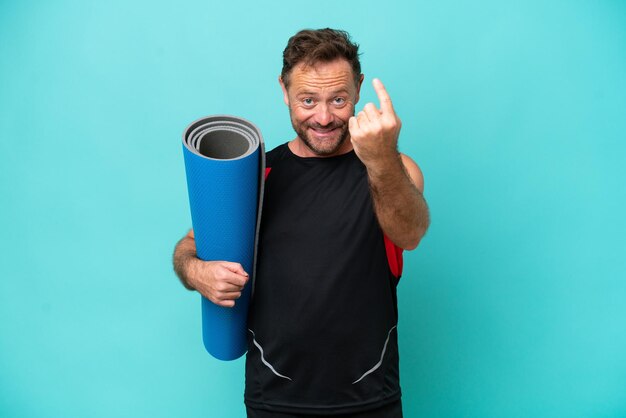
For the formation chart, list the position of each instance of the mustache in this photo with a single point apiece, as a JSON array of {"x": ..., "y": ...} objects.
[{"x": 330, "y": 126}]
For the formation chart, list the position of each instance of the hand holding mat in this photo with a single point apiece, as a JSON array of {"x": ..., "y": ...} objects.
[{"x": 224, "y": 162}]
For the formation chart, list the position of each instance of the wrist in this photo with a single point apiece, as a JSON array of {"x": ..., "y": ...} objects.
[
  {"x": 185, "y": 261},
  {"x": 191, "y": 271},
  {"x": 384, "y": 165}
]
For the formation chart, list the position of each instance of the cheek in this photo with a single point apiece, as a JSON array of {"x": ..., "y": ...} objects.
[
  {"x": 300, "y": 114},
  {"x": 345, "y": 112}
]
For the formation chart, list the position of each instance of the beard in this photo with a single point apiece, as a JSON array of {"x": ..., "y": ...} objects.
[{"x": 322, "y": 146}]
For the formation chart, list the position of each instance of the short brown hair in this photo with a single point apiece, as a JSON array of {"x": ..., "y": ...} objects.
[{"x": 320, "y": 45}]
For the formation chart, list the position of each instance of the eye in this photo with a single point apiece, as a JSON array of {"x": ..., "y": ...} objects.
[
  {"x": 339, "y": 101},
  {"x": 308, "y": 102}
]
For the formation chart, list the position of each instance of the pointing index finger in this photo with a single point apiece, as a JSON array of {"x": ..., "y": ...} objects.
[{"x": 383, "y": 96}]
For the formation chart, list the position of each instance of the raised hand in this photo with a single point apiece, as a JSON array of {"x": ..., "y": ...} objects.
[{"x": 374, "y": 132}]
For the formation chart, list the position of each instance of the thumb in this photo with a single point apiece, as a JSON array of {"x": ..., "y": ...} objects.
[{"x": 235, "y": 268}]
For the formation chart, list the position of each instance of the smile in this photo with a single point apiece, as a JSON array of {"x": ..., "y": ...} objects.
[{"x": 323, "y": 132}]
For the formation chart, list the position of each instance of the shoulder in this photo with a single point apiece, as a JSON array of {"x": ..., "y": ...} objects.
[
  {"x": 275, "y": 155},
  {"x": 414, "y": 172}
]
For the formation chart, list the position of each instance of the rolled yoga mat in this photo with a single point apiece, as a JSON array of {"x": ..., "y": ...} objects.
[{"x": 225, "y": 165}]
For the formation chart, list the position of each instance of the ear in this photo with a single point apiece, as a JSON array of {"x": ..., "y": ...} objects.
[
  {"x": 358, "y": 88},
  {"x": 285, "y": 94}
]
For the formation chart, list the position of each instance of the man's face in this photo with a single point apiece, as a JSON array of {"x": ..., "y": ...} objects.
[{"x": 321, "y": 100}]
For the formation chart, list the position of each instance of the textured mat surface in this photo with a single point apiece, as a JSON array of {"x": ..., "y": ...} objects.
[{"x": 224, "y": 161}]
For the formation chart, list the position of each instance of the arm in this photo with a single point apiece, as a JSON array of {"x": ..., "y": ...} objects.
[
  {"x": 396, "y": 181},
  {"x": 219, "y": 281},
  {"x": 398, "y": 201}
]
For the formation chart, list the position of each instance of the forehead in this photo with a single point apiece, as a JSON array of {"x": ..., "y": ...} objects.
[{"x": 333, "y": 75}]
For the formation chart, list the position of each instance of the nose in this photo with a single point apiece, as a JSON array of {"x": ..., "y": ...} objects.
[{"x": 323, "y": 116}]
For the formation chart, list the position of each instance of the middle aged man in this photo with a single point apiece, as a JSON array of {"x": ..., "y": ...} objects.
[{"x": 340, "y": 205}]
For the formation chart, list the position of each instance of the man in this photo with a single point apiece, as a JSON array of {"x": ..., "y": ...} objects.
[{"x": 340, "y": 205}]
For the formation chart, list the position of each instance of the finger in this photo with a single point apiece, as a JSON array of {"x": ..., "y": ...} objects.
[
  {"x": 353, "y": 125},
  {"x": 227, "y": 299},
  {"x": 230, "y": 296},
  {"x": 225, "y": 303},
  {"x": 371, "y": 111},
  {"x": 227, "y": 287},
  {"x": 383, "y": 96},
  {"x": 362, "y": 118},
  {"x": 236, "y": 280}
]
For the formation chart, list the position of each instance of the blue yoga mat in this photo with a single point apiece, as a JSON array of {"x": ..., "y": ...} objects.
[{"x": 225, "y": 164}]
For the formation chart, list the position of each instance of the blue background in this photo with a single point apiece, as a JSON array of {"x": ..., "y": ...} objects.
[{"x": 512, "y": 306}]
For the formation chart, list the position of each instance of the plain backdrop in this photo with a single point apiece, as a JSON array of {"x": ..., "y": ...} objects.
[{"x": 513, "y": 305}]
